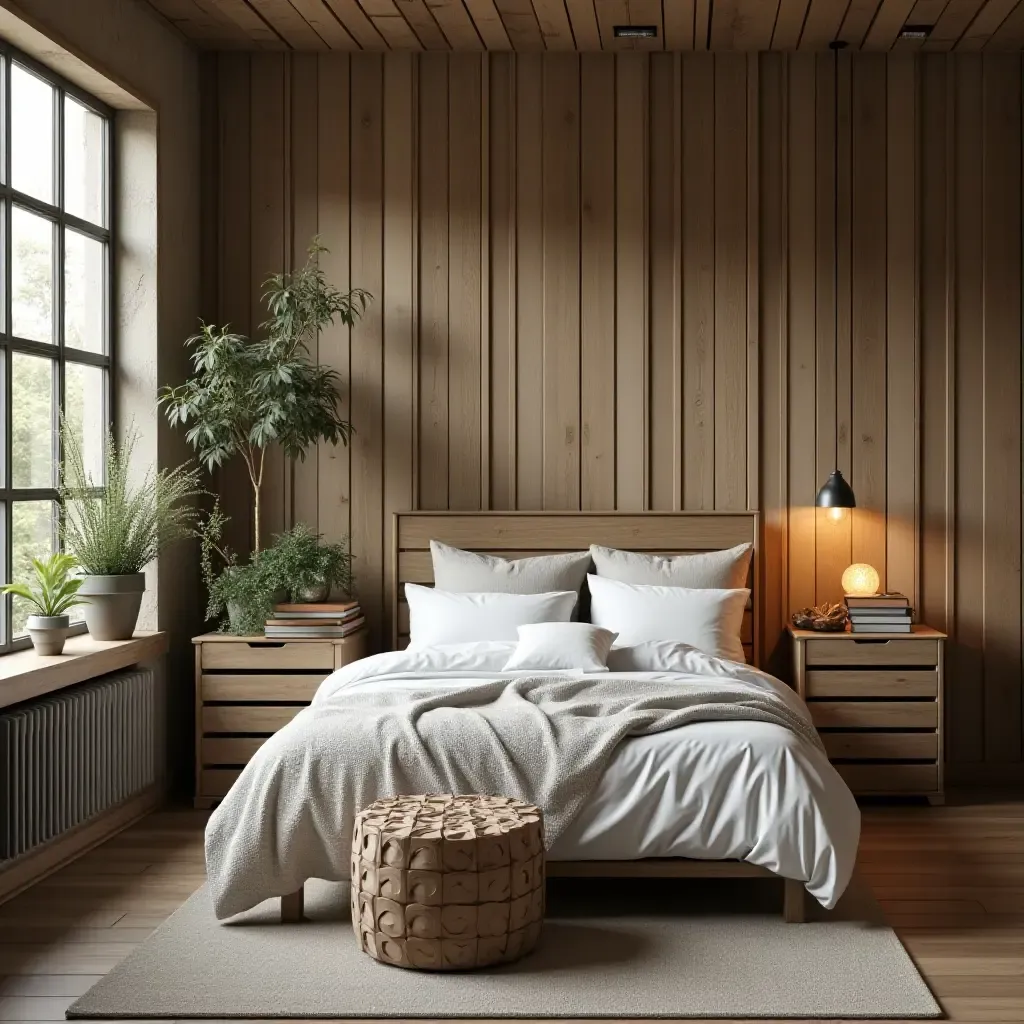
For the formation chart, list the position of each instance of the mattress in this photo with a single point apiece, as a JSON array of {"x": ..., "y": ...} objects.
[{"x": 744, "y": 790}]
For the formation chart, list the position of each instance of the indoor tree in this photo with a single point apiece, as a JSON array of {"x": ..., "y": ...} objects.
[{"x": 248, "y": 394}]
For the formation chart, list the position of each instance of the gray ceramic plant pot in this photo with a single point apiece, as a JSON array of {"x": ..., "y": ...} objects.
[
  {"x": 236, "y": 611},
  {"x": 113, "y": 606},
  {"x": 314, "y": 594},
  {"x": 48, "y": 632}
]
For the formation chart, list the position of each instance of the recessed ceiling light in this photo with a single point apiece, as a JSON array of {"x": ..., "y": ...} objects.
[
  {"x": 635, "y": 31},
  {"x": 916, "y": 31}
]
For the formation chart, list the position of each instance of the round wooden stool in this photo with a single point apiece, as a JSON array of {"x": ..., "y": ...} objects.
[{"x": 448, "y": 882}]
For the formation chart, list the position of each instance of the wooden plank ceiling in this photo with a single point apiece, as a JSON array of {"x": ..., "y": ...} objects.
[{"x": 532, "y": 25}]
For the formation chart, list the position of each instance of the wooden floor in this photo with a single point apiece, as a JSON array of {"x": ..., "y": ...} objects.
[{"x": 951, "y": 880}]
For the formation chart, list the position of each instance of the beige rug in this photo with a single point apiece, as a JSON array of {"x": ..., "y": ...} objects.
[{"x": 610, "y": 949}]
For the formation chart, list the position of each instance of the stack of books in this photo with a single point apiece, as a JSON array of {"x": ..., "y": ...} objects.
[
  {"x": 879, "y": 613},
  {"x": 325, "y": 620}
]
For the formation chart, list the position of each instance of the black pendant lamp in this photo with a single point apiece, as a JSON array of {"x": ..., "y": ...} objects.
[{"x": 836, "y": 494}]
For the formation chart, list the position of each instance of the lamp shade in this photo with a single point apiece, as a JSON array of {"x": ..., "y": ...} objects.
[
  {"x": 860, "y": 580},
  {"x": 836, "y": 493}
]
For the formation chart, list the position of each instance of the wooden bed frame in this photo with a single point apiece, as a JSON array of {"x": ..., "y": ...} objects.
[{"x": 520, "y": 534}]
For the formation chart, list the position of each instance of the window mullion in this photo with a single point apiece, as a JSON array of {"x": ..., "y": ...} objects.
[
  {"x": 86, "y": 367},
  {"x": 58, "y": 291},
  {"x": 8, "y": 554}
]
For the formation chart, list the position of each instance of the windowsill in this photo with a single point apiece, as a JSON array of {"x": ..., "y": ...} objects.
[{"x": 25, "y": 675}]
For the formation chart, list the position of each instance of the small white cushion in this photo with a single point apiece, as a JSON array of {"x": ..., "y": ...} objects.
[
  {"x": 441, "y": 617},
  {"x": 467, "y": 572},
  {"x": 718, "y": 570},
  {"x": 709, "y": 620},
  {"x": 562, "y": 646}
]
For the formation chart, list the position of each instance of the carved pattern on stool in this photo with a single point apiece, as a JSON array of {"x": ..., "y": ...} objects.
[{"x": 448, "y": 882}]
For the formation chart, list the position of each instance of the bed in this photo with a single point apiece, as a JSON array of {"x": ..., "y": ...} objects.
[{"x": 758, "y": 801}]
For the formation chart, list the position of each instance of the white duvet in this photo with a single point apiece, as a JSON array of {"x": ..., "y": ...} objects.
[{"x": 716, "y": 790}]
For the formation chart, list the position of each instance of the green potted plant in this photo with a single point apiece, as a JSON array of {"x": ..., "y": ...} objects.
[
  {"x": 310, "y": 569},
  {"x": 116, "y": 528},
  {"x": 297, "y": 565},
  {"x": 52, "y": 593},
  {"x": 246, "y": 395}
]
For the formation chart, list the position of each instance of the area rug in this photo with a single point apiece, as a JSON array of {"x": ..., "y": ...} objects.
[{"x": 624, "y": 948}]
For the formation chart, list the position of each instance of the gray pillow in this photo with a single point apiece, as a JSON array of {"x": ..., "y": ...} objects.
[
  {"x": 465, "y": 572},
  {"x": 710, "y": 570}
]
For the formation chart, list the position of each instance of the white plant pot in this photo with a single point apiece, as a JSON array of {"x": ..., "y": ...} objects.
[
  {"x": 113, "y": 604},
  {"x": 48, "y": 633}
]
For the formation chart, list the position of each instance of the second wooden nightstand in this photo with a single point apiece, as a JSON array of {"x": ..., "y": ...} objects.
[
  {"x": 876, "y": 699},
  {"x": 249, "y": 687}
]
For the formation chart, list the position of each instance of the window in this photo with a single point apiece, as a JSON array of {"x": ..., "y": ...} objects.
[{"x": 55, "y": 336}]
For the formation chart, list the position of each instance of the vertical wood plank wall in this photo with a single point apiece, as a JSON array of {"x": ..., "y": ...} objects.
[{"x": 609, "y": 282}]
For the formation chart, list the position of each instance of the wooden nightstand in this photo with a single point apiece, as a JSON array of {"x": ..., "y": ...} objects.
[
  {"x": 876, "y": 699},
  {"x": 249, "y": 687}
]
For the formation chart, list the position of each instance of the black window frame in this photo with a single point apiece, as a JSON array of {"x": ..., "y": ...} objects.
[{"x": 56, "y": 350}]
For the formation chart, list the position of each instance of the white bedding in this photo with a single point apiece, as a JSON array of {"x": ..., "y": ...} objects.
[{"x": 711, "y": 790}]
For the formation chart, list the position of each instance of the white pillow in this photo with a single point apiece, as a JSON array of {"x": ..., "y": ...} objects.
[
  {"x": 562, "y": 646},
  {"x": 441, "y": 617},
  {"x": 653, "y": 656},
  {"x": 718, "y": 570},
  {"x": 467, "y": 572},
  {"x": 709, "y": 620}
]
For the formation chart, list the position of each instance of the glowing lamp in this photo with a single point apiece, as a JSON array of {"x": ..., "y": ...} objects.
[
  {"x": 860, "y": 580},
  {"x": 836, "y": 495}
]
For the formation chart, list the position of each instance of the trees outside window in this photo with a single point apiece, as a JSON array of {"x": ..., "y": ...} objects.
[{"x": 55, "y": 292}]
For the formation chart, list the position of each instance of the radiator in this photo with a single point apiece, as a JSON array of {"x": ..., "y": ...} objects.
[{"x": 66, "y": 758}]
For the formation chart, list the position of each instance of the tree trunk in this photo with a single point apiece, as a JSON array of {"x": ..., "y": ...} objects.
[{"x": 256, "y": 519}]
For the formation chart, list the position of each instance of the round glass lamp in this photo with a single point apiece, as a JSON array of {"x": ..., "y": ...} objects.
[{"x": 860, "y": 580}]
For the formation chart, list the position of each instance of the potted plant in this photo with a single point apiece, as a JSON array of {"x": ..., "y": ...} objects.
[
  {"x": 246, "y": 395},
  {"x": 243, "y": 593},
  {"x": 54, "y": 591},
  {"x": 309, "y": 568},
  {"x": 116, "y": 528},
  {"x": 297, "y": 565}
]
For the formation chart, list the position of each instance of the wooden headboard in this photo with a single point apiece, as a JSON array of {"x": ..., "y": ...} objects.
[{"x": 519, "y": 534}]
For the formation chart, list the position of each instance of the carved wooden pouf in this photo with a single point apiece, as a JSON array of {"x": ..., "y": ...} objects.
[{"x": 448, "y": 882}]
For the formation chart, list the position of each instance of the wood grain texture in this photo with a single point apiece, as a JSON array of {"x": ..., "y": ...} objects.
[
  {"x": 563, "y": 321},
  {"x": 586, "y": 25},
  {"x": 561, "y": 296},
  {"x": 631, "y": 275},
  {"x": 597, "y": 282},
  {"x": 269, "y": 215}
]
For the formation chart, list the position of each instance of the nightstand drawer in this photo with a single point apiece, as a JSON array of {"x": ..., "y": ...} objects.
[
  {"x": 890, "y": 778},
  {"x": 873, "y": 653},
  {"x": 881, "y": 746},
  {"x": 297, "y": 687},
  {"x": 247, "y": 718},
  {"x": 866, "y": 682},
  {"x": 230, "y": 749},
  {"x": 268, "y": 655},
  {"x": 876, "y": 714}
]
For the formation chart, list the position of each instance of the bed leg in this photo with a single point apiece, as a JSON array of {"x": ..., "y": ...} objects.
[
  {"x": 291, "y": 907},
  {"x": 793, "y": 902}
]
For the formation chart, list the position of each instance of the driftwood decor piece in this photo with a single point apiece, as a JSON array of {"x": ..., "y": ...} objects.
[
  {"x": 825, "y": 618},
  {"x": 448, "y": 882}
]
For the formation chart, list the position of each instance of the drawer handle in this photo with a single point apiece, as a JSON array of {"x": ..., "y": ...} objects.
[
  {"x": 259, "y": 644},
  {"x": 863, "y": 641}
]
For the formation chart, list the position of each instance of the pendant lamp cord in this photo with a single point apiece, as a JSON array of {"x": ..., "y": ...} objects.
[{"x": 835, "y": 46}]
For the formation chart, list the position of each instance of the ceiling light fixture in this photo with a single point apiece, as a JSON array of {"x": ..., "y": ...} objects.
[
  {"x": 635, "y": 31},
  {"x": 916, "y": 31}
]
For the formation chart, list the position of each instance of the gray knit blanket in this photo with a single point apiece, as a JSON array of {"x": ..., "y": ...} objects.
[{"x": 545, "y": 739}]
